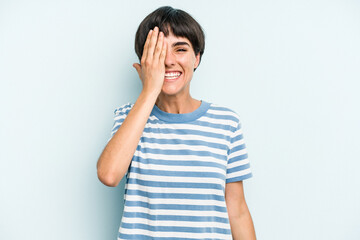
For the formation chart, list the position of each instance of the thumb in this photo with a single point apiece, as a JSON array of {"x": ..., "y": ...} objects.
[{"x": 137, "y": 67}]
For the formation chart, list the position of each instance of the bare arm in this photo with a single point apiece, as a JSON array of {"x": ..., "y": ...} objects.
[
  {"x": 116, "y": 156},
  {"x": 242, "y": 227}
]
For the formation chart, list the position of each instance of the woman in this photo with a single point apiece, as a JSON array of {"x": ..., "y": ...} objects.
[{"x": 184, "y": 159}]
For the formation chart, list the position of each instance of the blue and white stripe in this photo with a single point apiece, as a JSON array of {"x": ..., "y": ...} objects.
[{"x": 175, "y": 184}]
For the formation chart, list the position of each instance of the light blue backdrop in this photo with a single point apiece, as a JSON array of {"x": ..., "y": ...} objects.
[{"x": 289, "y": 68}]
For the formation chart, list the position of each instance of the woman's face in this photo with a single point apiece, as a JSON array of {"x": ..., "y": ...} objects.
[{"x": 180, "y": 62}]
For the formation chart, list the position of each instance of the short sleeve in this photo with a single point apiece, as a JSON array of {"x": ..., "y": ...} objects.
[
  {"x": 238, "y": 165},
  {"x": 120, "y": 114}
]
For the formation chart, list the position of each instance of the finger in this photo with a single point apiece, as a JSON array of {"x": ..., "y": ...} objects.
[
  {"x": 159, "y": 46},
  {"x": 146, "y": 45},
  {"x": 153, "y": 40},
  {"x": 163, "y": 52}
]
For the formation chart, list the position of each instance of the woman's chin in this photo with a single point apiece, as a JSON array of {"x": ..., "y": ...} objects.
[
  {"x": 174, "y": 87},
  {"x": 170, "y": 90}
]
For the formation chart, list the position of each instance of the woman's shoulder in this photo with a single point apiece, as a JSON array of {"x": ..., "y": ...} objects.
[
  {"x": 221, "y": 107},
  {"x": 123, "y": 109},
  {"x": 222, "y": 111}
]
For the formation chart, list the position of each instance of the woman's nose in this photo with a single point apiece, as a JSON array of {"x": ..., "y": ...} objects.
[{"x": 169, "y": 58}]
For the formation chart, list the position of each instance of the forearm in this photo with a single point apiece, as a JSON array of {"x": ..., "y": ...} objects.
[
  {"x": 242, "y": 227},
  {"x": 116, "y": 157}
]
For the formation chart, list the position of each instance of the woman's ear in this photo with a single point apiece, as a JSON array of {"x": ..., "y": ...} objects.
[{"x": 197, "y": 61}]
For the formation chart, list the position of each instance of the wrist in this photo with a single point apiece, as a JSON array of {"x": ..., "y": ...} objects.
[{"x": 150, "y": 93}]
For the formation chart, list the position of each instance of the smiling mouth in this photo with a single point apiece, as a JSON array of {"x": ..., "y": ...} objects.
[{"x": 172, "y": 75}]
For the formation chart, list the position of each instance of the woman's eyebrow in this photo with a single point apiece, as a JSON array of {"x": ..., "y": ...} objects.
[{"x": 180, "y": 43}]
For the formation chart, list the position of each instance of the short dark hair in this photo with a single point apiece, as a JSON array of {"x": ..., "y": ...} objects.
[{"x": 179, "y": 22}]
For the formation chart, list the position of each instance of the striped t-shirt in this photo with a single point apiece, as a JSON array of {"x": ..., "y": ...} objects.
[{"x": 175, "y": 184}]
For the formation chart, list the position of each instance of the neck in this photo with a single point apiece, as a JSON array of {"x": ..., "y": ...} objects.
[{"x": 177, "y": 104}]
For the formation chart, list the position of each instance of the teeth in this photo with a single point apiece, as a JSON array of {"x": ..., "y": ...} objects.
[{"x": 172, "y": 75}]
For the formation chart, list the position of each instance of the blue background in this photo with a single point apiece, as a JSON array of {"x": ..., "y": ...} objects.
[{"x": 290, "y": 69}]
